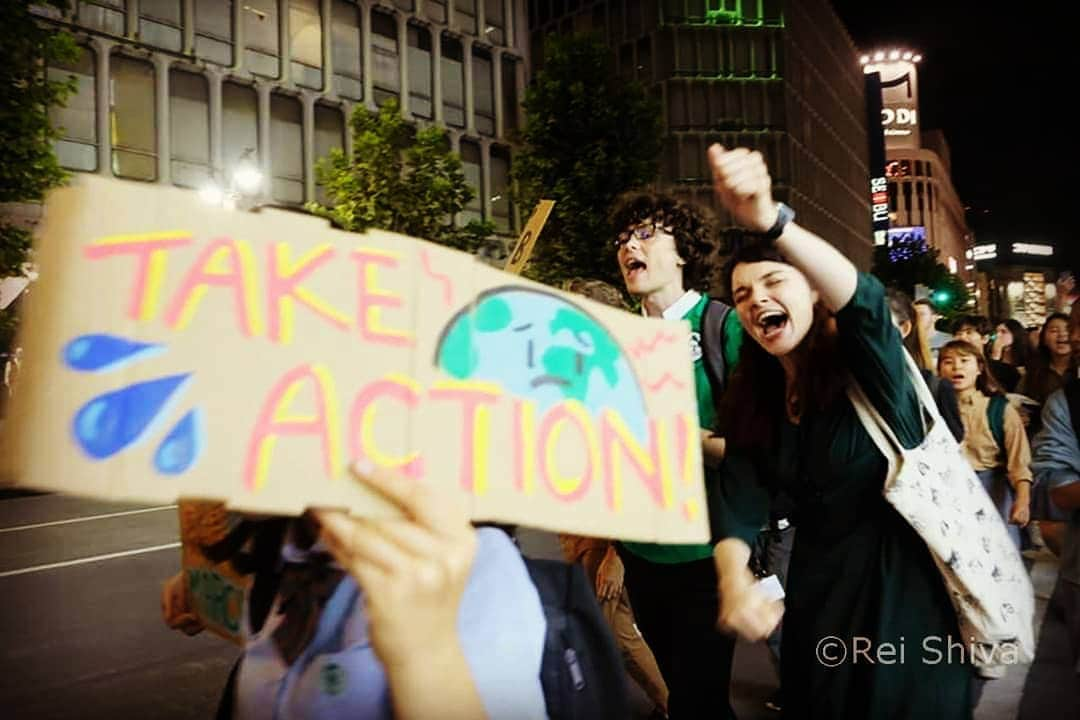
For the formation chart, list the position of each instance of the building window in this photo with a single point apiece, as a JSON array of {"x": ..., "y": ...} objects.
[
  {"x": 435, "y": 10},
  {"x": 47, "y": 11},
  {"x": 626, "y": 62},
  {"x": 634, "y": 19},
  {"x": 676, "y": 96},
  {"x": 470, "y": 166},
  {"x": 189, "y": 129},
  {"x": 495, "y": 18},
  {"x": 240, "y": 126},
  {"x": 509, "y": 93},
  {"x": 501, "y": 210},
  {"x": 161, "y": 24},
  {"x": 286, "y": 149},
  {"x": 465, "y": 16},
  {"x": 305, "y": 36},
  {"x": 76, "y": 148},
  {"x": 616, "y": 18},
  {"x": 453, "y": 81},
  {"x": 420, "y": 72},
  {"x": 930, "y": 196},
  {"x": 643, "y": 69},
  {"x": 214, "y": 30},
  {"x": 329, "y": 135},
  {"x": 384, "y": 54},
  {"x": 348, "y": 70},
  {"x": 918, "y": 167},
  {"x": 483, "y": 92},
  {"x": 131, "y": 114},
  {"x": 261, "y": 36},
  {"x": 892, "y": 197},
  {"x": 929, "y": 169},
  {"x": 104, "y": 15}
]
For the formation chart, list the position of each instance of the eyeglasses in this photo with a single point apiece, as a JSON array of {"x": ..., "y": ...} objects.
[{"x": 642, "y": 233}]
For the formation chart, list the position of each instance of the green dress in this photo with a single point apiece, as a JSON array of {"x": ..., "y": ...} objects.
[{"x": 858, "y": 571}]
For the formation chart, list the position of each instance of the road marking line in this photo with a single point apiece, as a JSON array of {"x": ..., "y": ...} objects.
[
  {"x": 83, "y": 561},
  {"x": 157, "y": 508}
]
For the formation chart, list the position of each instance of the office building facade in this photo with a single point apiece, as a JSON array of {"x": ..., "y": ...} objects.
[
  {"x": 183, "y": 91},
  {"x": 774, "y": 75}
]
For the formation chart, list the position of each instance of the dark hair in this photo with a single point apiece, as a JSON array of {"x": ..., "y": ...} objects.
[
  {"x": 980, "y": 323},
  {"x": 903, "y": 310},
  {"x": 754, "y": 405},
  {"x": 1041, "y": 380},
  {"x": 693, "y": 230},
  {"x": 986, "y": 383},
  {"x": 1019, "y": 351}
]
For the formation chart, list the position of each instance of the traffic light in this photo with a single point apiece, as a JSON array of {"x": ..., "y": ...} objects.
[{"x": 941, "y": 297}]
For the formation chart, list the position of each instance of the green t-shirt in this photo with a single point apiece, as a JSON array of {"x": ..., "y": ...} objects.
[{"x": 732, "y": 340}]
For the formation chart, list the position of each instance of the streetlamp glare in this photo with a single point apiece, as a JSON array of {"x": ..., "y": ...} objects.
[
  {"x": 879, "y": 56},
  {"x": 247, "y": 178},
  {"x": 211, "y": 194}
]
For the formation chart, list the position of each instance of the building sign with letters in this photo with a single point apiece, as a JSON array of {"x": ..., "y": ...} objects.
[{"x": 899, "y": 102}]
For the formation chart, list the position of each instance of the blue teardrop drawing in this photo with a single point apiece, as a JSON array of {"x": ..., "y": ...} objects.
[
  {"x": 113, "y": 421},
  {"x": 101, "y": 353},
  {"x": 182, "y": 446}
]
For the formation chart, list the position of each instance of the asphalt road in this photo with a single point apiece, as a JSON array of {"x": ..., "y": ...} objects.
[
  {"x": 80, "y": 618},
  {"x": 81, "y": 632}
]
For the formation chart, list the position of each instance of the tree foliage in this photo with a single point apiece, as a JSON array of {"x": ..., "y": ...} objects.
[
  {"x": 398, "y": 179},
  {"x": 589, "y": 136},
  {"x": 905, "y": 263},
  {"x": 28, "y": 165}
]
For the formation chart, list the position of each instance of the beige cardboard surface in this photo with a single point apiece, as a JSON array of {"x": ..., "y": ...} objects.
[
  {"x": 173, "y": 350},
  {"x": 523, "y": 249}
]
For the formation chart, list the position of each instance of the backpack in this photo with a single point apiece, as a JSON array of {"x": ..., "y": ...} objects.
[
  {"x": 582, "y": 670},
  {"x": 995, "y": 417},
  {"x": 717, "y": 364}
]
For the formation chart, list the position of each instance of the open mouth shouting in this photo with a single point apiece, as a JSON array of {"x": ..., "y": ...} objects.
[
  {"x": 771, "y": 324},
  {"x": 634, "y": 268}
]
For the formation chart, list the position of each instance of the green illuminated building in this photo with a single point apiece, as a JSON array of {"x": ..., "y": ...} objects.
[{"x": 775, "y": 75}]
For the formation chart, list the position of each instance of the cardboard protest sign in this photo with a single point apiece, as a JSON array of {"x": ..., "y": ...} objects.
[
  {"x": 173, "y": 350},
  {"x": 523, "y": 249},
  {"x": 216, "y": 591}
]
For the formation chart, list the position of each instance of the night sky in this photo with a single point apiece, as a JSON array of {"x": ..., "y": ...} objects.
[{"x": 996, "y": 81}]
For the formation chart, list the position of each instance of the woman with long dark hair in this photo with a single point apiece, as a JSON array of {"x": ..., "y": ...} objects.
[
  {"x": 1010, "y": 345},
  {"x": 861, "y": 579},
  {"x": 1048, "y": 367}
]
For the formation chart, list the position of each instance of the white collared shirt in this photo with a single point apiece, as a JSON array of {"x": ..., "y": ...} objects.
[{"x": 680, "y": 307}]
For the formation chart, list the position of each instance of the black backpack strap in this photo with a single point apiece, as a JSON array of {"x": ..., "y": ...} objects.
[
  {"x": 995, "y": 416},
  {"x": 1072, "y": 396},
  {"x": 713, "y": 319}
]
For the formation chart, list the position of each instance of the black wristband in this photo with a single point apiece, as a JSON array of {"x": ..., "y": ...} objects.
[{"x": 784, "y": 216}]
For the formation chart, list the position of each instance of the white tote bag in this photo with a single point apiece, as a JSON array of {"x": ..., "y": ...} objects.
[{"x": 936, "y": 490}]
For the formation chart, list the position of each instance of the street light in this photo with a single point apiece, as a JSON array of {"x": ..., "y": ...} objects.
[{"x": 245, "y": 182}]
